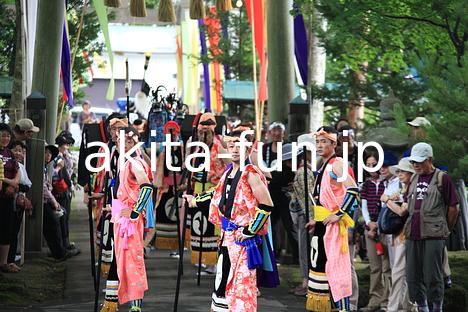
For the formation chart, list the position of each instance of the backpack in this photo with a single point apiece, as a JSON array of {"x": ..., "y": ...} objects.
[{"x": 389, "y": 222}]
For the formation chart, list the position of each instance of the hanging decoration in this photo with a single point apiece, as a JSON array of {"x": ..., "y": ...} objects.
[
  {"x": 197, "y": 9},
  {"x": 113, "y": 3},
  {"x": 223, "y": 5},
  {"x": 166, "y": 13},
  {"x": 138, "y": 8}
]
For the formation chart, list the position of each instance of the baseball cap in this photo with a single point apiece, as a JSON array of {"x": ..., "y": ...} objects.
[
  {"x": 419, "y": 122},
  {"x": 420, "y": 152},
  {"x": 27, "y": 124}
]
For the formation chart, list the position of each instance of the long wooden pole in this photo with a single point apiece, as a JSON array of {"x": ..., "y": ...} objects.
[{"x": 254, "y": 65}]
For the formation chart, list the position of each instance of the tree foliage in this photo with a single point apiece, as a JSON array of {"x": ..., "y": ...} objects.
[
  {"x": 447, "y": 86},
  {"x": 381, "y": 40},
  {"x": 7, "y": 40},
  {"x": 415, "y": 48}
]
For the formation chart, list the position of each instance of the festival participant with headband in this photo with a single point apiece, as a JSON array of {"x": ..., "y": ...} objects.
[
  {"x": 204, "y": 181},
  {"x": 241, "y": 205},
  {"x": 130, "y": 207},
  {"x": 113, "y": 124},
  {"x": 335, "y": 203},
  {"x": 253, "y": 154},
  {"x": 166, "y": 234}
]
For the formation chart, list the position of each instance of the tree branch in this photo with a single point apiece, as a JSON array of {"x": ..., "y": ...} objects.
[
  {"x": 457, "y": 23},
  {"x": 414, "y": 18}
]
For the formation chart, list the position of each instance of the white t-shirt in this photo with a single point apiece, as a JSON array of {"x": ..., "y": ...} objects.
[
  {"x": 24, "y": 179},
  {"x": 393, "y": 186}
]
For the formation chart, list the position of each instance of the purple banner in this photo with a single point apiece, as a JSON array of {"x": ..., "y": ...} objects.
[
  {"x": 65, "y": 67},
  {"x": 301, "y": 47},
  {"x": 206, "y": 71}
]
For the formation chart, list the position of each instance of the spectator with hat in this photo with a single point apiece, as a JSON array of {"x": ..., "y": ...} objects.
[
  {"x": 52, "y": 209},
  {"x": 398, "y": 299},
  {"x": 24, "y": 129},
  {"x": 432, "y": 206},
  {"x": 418, "y": 127},
  {"x": 62, "y": 186}
]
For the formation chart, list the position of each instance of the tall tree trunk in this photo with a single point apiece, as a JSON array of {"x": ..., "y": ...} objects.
[
  {"x": 280, "y": 59},
  {"x": 357, "y": 103},
  {"x": 317, "y": 68},
  {"x": 47, "y": 59},
  {"x": 18, "y": 93}
]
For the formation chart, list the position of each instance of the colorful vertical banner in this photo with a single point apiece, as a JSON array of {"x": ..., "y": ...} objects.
[
  {"x": 190, "y": 56},
  {"x": 179, "y": 61},
  {"x": 102, "y": 17},
  {"x": 206, "y": 71},
  {"x": 301, "y": 50},
  {"x": 213, "y": 26},
  {"x": 65, "y": 69},
  {"x": 256, "y": 14}
]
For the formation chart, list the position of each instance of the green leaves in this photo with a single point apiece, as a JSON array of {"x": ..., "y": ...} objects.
[{"x": 7, "y": 40}]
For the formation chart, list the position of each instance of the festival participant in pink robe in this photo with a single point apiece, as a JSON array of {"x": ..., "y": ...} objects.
[
  {"x": 335, "y": 203},
  {"x": 240, "y": 205},
  {"x": 132, "y": 204}
]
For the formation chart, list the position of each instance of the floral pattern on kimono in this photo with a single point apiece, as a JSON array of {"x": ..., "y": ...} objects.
[{"x": 241, "y": 288}]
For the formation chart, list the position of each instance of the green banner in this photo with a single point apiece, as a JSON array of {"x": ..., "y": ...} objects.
[{"x": 102, "y": 17}]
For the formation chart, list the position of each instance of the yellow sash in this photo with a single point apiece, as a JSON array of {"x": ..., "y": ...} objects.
[{"x": 321, "y": 213}]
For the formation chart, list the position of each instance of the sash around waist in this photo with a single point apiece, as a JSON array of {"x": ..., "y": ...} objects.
[
  {"x": 321, "y": 213},
  {"x": 254, "y": 257}
]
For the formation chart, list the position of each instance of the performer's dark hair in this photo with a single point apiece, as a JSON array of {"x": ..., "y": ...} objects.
[
  {"x": 16, "y": 143},
  {"x": 208, "y": 122},
  {"x": 5, "y": 127},
  {"x": 108, "y": 119},
  {"x": 328, "y": 129},
  {"x": 137, "y": 122},
  {"x": 236, "y": 133},
  {"x": 131, "y": 129}
]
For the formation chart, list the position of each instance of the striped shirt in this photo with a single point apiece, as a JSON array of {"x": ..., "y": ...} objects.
[{"x": 371, "y": 191}]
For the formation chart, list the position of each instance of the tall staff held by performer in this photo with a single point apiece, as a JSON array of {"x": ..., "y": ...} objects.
[
  {"x": 188, "y": 175},
  {"x": 206, "y": 129}
]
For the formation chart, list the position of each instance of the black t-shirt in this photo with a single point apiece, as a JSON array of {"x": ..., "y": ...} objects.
[{"x": 268, "y": 154}]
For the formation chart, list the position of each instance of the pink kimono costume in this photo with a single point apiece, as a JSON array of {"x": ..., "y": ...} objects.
[
  {"x": 241, "y": 285},
  {"x": 129, "y": 236},
  {"x": 330, "y": 266}
]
